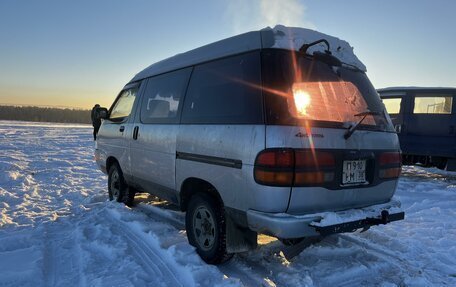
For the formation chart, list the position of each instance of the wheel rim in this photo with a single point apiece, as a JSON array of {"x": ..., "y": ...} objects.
[
  {"x": 115, "y": 184},
  {"x": 204, "y": 228}
]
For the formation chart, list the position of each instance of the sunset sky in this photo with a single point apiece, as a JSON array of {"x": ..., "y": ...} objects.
[{"x": 78, "y": 53}]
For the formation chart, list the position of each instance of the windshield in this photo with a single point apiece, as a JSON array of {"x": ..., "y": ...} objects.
[{"x": 302, "y": 91}]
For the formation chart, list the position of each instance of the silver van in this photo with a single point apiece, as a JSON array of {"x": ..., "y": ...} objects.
[{"x": 277, "y": 131}]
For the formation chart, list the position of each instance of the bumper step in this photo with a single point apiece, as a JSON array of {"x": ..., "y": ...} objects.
[{"x": 358, "y": 224}]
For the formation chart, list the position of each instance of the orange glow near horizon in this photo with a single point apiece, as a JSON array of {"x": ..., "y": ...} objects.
[{"x": 60, "y": 98}]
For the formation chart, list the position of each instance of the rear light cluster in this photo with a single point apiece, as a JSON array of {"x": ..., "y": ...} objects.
[
  {"x": 390, "y": 165},
  {"x": 294, "y": 167}
]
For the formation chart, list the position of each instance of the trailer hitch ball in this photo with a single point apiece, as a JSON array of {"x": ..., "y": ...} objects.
[{"x": 385, "y": 215}]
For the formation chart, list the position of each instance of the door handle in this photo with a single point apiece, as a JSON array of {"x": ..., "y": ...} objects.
[
  {"x": 135, "y": 133},
  {"x": 121, "y": 129},
  {"x": 398, "y": 128}
]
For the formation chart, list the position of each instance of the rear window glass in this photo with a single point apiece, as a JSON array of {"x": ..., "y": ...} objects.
[
  {"x": 225, "y": 91},
  {"x": 439, "y": 104},
  {"x": 327, "y": 101},
  {"x": 392, "y": 105},
  {"x": 302, "y": 91}
]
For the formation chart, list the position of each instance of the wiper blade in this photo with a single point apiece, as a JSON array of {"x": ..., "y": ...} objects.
[
  {"x": 368, "y": 113},
  {"x": 364, "y": 114}
]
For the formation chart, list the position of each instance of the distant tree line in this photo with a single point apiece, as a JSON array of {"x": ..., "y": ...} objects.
[{"x": 40, "y": 114}]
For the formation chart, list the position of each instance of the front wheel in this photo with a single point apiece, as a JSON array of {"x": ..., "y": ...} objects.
[
  {"x": 118, "y": 189},
  {"x": 205, "y": 225}
]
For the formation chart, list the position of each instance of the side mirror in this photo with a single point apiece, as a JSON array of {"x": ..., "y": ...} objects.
[{"x": 102, "y": 113}]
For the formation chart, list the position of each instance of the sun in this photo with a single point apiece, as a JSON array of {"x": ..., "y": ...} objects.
[{"x": 302, "y": 101}]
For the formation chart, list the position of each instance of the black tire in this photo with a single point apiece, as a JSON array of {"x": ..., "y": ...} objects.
[
  {"x": 204, "y": 212},
  {"x": 118, "y": 189},
  {"x": 291, "y": 241}
]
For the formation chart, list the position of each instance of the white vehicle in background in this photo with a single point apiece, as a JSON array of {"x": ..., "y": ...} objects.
[{"x": 277, "y": 131}]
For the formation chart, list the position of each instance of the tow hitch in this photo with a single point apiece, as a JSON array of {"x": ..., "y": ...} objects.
[{"x": 384, "y": 218}]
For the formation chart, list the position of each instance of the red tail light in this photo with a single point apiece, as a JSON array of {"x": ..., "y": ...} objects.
[
  {"x": 387, "y": 158},
  {"x": 314, "y": 159},
  {"x": 293, "y": 167},
  {"x": 390, "y": 165},
  {"x": 313, "y": 167},
  {"x": 276, "y": 158},
  {"x": 274, "y": 167}
]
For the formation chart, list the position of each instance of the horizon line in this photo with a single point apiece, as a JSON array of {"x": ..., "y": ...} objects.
[{"x": 43, "y": 106}]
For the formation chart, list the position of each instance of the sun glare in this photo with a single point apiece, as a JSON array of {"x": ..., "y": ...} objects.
[{"x": 302, "y": 100}]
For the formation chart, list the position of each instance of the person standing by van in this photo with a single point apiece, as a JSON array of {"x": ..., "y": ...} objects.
[{"x": 96, "y": 121}]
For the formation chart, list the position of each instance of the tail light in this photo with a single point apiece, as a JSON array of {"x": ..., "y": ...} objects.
[
  {"x": 313, "y": 167},
  {"x": 275, "y": 167},
  {"x": 293, "y": 167},
  {"x": 390, "y": 165}
]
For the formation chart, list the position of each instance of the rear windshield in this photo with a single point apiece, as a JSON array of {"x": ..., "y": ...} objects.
[{"x": 302, "y": 91}]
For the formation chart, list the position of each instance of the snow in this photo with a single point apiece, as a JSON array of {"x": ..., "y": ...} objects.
[
  {"x": 58, "y": 229},
  {"x": 293, "y": 38}
]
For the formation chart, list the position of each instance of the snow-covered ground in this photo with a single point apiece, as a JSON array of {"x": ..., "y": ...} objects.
[{"x": 58, "y": 229}]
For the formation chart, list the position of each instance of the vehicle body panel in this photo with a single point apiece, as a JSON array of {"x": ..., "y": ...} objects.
[
  {"x": 112, "y": 142},
  {"x": 153, "y": 154},
  {"x": 313, "y": 199},
  {"x": 236, "y": 186}
]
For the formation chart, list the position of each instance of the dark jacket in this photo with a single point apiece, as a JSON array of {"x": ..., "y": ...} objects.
[{"x": 96, "y": 122}]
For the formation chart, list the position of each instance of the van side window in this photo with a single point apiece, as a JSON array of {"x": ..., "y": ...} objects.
[
  {"x": 225, "y": 91},
  {"x": 123, "y": 105},
  {"x": 160, "y": 103},
  {"x": 392, "y": 105},
  {"x": 437, "y": 104}
]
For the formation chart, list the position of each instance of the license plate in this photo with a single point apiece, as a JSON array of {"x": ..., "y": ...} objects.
[{"x": 354, "y": 172}]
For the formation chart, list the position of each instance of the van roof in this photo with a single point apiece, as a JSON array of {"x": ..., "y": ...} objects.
[
  {"x": 413, "y": 88},
  {"x": 279, "y": 37}
]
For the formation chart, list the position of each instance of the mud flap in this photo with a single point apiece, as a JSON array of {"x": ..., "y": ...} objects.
[{"x": 239, "y": 239}]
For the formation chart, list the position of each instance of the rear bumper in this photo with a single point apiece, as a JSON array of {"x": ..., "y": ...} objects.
[{"x": 284, "y": 225}]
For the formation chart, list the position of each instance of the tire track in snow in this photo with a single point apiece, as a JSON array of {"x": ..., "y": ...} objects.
[
  {"x": 247, "y": 271},
  {"x": 390, "y": 257},
  {"x": 151, "y": 261},
  {"x": 62, "y": 254}
]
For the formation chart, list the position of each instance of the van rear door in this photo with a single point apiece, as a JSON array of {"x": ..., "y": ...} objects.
[
  {"x": 310, "y": 106},
  {"x": 431, "y": 125}
]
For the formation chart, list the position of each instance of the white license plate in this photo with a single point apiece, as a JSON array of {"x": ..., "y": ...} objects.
[{"x": 354, "y": 172}]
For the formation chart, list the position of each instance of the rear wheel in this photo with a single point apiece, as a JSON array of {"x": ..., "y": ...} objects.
[
  {"x": 206, "y": 230},
  {"x": 291, "y": 241},
  {"x": 118, "y": 189}
]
